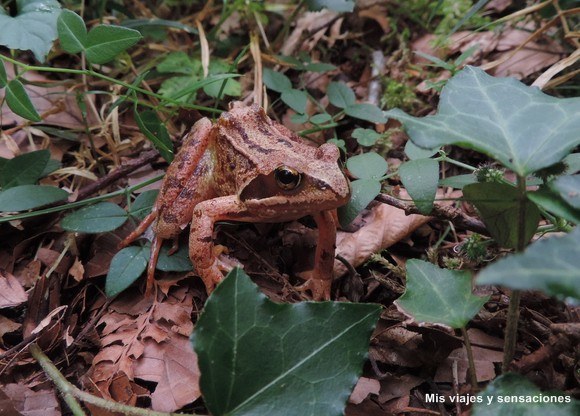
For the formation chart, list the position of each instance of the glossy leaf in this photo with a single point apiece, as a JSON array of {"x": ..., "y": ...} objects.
[
  {"x": 514, "y": 395},
  {"x": 295, "y": 99},
  {"x": 569, "y": 189},
  {"x": 458, "y": 181},
  {"x": 439, "y": 295},
  {"x": 553, "y": 203},
  {"x": 550, "y": 265},
  {"x": 33, "y": 28},
  {"x": 499, "y": 207},
  {"x": 177, "y": 262},
  {"x": 25, "y": 197},
  {"x": 340, "y": 95},
  {"x": 420, "y": 178},
  {"x": 97, "y": 218},
  {"x": 154, "y": 130},
  {"x": 519, "y": 126},
  {"x": 19, "y": 102},
  {"x": 126, "y": 267},
  {"x": 25, "y": 169},
  {"x": 72, "y": 32},
  {"x": 367, "y": 112},
  {"x": 105, "y": 42},
  {"x": 259, "y": 357},
  {"x": 143, "y": 204},
  {"x": 363, "y": 191},
  {"x": 368, "y": 165},
  {"x": 276, "y": 81}
]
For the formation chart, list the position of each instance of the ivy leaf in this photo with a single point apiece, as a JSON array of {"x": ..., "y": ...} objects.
[
  {"x": 259, "y": 357},
  {"x": 520, "y": 126},
  {"x": 367, "y": 112},
  {"x": 499, "y": 207},
  {"x": 368, "y": 165},
  {"x": 33, "y": 28},
  {"x": 498, "y": 399},
  {"x": 25, "y": 169},
  {"x": 126, "y": 267},
  {"x": 458, "y": 181},
  {"x": 552, "y": 202},
  {"x": 549, "y": 265},
  {"x": 569, "y": 189},
  {"x": 420, "y": 177},
  {"x": 25, "y": 197},
  {"x": 19, "y": 102},
  {"x": 439, "y": 295},
  {"x": 97, "y": 218}
]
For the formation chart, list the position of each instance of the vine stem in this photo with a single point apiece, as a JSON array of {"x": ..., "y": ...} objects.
[
  {"x": 72, "y": 394},
  {"x": 513, "y": 315},
  {"x": 470, "y": 359}
]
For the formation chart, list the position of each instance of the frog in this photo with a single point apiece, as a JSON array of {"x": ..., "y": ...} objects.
[{"x": 246, "y": 167}]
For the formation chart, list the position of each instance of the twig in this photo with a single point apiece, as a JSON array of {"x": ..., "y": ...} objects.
[
  {"x": 470, "y": 360},
  {"x": 72, "y": 393},
  {"x": 458, "y": 218}
]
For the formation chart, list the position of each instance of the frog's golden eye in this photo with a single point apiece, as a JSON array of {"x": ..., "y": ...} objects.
[{"x": 287, "y": 178}]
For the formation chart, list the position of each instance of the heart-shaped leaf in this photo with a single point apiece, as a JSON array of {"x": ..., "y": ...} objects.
[
  {"x": 439, "y": 295},
  {"x": 550, "y": 265},
  {"x": 499, "y": 207},
  {"x": 520, "y": 126},
  {"x": 104, "y": 42},
  {"x": 33, "y": 28},
  {"x": 259, "y": 357},
  {"x": 25, "y": 169},
  {"x": 420, "y": 178},
  {"x": 98, "y": 218},
  {"x": 25, "y": 197}
]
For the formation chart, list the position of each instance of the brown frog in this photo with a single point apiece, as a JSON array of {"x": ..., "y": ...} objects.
[{"x": 246, "y": 167}]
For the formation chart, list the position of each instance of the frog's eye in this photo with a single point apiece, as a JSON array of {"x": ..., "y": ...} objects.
[{"x": 287, "y": 178}]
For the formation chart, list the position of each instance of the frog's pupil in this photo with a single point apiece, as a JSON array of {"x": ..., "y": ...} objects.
[{"x": 286, "y": 176}]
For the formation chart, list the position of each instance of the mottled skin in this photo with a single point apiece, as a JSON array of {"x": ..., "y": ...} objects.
[{"x": 230, "y": 170}]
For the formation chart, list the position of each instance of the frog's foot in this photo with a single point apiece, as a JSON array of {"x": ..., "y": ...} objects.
[
  {"x": 222, "y": 264},
  {"x": 320, "y": 288}
]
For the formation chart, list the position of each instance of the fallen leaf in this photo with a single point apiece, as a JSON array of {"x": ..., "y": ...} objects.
[
  {"x": 7, "y": 326},
  {"x": 32, "y": 403},
  {"x": 77, "y": 270},
  {"x": 11, "y": 291},
  {"x": 484, "y": 365},
  {"x": 363, "y": 388}
]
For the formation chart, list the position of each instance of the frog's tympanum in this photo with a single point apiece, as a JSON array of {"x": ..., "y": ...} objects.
[{"x": 246, "y": 167}]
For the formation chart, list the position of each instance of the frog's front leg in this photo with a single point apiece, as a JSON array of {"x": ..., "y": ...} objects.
[
  {"x": 201, "y": 247},
  {"x": 320, "y": 279}
]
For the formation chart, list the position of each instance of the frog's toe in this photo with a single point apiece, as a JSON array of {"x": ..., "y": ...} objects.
[{"x": 320, "y": 288}]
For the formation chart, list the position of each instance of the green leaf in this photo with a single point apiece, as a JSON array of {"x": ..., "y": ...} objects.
[
  {"x": 276, "y": 81},
  {"x": 126, "y": 267},
  {"x": 550, "y": 265},
  {"x": 98, "y": 218},
  {"x": 569, "y": 189},
  {"x": 194, "y": 86},
  {"x": 256, "y": 355},
  {"x": 25, "y": 169},
  {"x": 151, "y": 126},
  {"x": 319, "y": 119},
  {"x": 3, "y": 76},
  {"x": 105, "y": 42},
  {"x": 415, "y": 152},
  {"x": 439, "y": 295},
  {"x": 25, "y": 197},
  {"x": 319, "y": 67},
  {"x": 177, "y": 262},
  {"x": 365, "y": 137},
  {"x": 72, "y": 32},
  {"x": 367, "y": 112},
  {"x": 514, "y": 395},
  {"x": 143, "y": 204},
  {"x": 180, "y": 63},
  {"x": 334, "y": 5},
  {"x": 552, "y": 202},
  {"x": 173, "y": 88},
  {"x": 340, "y": 95},
  {"x": 458, "y": 181},
  {"x": 19, "y": 102},
  {"x": 519, "y": 126},
  {"x": 295, "y": 99},
  {"x": 573, "y": 163},
  {"x": 363, "y": 191},
  {"x": 33, "y": 28},
  {"x": 368, "y": 165},
  {"x": 420, "y": 177},
  {"x": 499, "y": 207}
]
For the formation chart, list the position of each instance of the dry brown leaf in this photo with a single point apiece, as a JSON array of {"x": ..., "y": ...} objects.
[
  {"x": 394, "y": 387},
  {"x": 484, "y": 365},
  {"x": 7, "y": 326},
  {"x": 77, "y": 270},
  {"x": 308, "y": 22},
  {"x": 32, "y": 403},
  {"x": 363, "y": 388},
  {"x": 11, "y": 291}
]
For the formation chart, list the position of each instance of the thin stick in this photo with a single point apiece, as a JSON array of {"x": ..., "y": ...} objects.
[{"x": 470, "y": 359}]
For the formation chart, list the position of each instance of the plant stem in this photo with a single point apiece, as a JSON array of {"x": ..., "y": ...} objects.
[
  {"x": 470, "y": 359},
  {"x": 72, "y": 393},
  {"x": 513, "y": 315}
]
